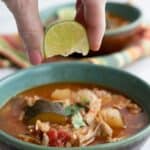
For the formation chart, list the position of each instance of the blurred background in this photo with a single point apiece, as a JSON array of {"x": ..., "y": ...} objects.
[
  {"x": 139, "y": 68},
  {"x": 8, "y": 24}
]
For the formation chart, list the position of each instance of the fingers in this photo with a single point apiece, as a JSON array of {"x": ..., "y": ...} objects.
[
  {"x": 29, "y": 26},
  {"x": 80, "y": 13},
  {"x": 94, "y": 15}
]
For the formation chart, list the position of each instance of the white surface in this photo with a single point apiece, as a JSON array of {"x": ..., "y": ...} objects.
[{"x": 140, "y": 68}]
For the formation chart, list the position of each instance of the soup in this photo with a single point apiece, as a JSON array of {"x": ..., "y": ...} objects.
[
  {"x": 114, "y": 21},
  {"x": 71, "y": 115}
]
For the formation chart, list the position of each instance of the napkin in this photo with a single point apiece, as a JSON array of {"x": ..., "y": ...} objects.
[{"x": 12, "y": 52}]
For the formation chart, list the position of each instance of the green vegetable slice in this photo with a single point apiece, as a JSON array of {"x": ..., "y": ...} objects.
[{"x": 45, "y": 111}]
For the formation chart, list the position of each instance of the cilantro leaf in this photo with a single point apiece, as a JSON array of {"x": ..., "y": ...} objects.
[
  {"x": 77, "y": 120},
  {"x": 71, "y": 110}
]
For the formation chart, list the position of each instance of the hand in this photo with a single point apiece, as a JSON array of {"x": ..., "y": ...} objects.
[
  {"x": 29, "y": 25},
  {"x": 90, "y": 13}
]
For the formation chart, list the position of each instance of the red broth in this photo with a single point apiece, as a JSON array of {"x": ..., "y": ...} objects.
[{"x": 134, "y": 117}]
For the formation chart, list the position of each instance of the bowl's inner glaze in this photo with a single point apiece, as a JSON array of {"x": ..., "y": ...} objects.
[
  {"x": 83, "y": 73},
  {"x": 106, "y": 115}
]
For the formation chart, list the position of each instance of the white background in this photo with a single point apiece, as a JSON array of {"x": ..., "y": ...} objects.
[{"x": 140, "y": 68}]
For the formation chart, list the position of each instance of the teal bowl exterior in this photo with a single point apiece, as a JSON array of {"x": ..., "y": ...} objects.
[
  {"x": 82, "y": 73},
  {"x": 131, "y": 13}
]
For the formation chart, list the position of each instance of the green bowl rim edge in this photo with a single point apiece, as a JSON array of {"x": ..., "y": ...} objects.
[{"x": 136, "y": 137}]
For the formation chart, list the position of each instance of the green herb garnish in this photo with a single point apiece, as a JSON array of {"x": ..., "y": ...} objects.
[
  {"x": 72, "y": 109},
  {"x": 77, "y": 121}
]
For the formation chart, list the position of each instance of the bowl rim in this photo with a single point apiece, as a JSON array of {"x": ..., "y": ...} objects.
[
  {"x": 127, "y": 28},
  {"x": 130, "y": 26},
  {"x": 18, "y": 143}
]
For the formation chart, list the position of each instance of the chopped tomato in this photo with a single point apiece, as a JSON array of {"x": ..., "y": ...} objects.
[
  {"x": 64, "y": 136},
  {"x": 58, "y": 138}
]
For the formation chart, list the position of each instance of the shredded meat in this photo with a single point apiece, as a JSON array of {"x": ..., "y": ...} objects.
[
  {"x": 87, "y": 135},
  {"x": 45, "y": 139},
  {"x": 134, "y": 108},
  {"x": 94, "y": 103},
  {"x": 106, "y": 130},
  {"x": 101, "y": 113},
  {"x": 31, "y": 100},
  {"x": 104, "y": 95},
  {"x": 42, "y": 126}
]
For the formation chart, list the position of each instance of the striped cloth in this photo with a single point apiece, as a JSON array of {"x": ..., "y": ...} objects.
[{"x": 11, "y": 52}]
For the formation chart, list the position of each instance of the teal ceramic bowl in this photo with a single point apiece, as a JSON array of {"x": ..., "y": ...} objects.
[
  {"x": 114, "y": 39},
  {"x": 84, "y": 73}
]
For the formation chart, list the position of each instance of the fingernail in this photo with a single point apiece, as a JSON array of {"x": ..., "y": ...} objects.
[
  {"x": 95, "y": 47},
  {"x": 35, "y": 57}
]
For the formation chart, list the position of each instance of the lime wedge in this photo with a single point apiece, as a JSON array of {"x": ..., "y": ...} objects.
[
  {"x": 67, "y": 13},
  {"x": 64, "y": 38}
]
